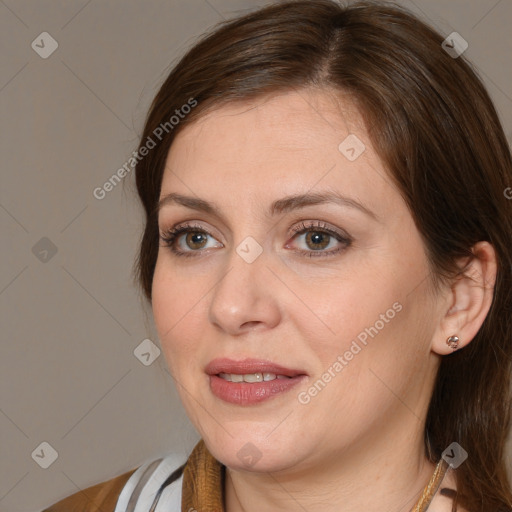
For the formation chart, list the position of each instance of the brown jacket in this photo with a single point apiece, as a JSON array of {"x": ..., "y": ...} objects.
[
  {"x": 203, "y": 484},
  {"x": 101, "y": 497}
]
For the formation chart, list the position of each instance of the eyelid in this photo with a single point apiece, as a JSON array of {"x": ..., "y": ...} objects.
[
  {"x": 341, "y": 236},
  {"x": 181, "y": 228},
  {"x": 187, "y": 224},
  {"x": 320, "y": 224},
  {"x": 306, "y": 225}
]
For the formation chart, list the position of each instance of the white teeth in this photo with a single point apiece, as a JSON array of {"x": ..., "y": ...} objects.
[{"x": 251, "y": 377}]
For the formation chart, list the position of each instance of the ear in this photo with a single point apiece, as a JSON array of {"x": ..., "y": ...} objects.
[{"x": 468, "y": 300}]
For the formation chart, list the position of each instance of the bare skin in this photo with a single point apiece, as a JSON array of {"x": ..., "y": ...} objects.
[{"x": 357, "y": 444}]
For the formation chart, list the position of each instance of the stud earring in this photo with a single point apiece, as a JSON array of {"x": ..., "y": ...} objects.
[{"x": 453, "y": 342}]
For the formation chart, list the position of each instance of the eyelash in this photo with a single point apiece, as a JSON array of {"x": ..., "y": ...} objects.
[{"x": 169, "y": 236}]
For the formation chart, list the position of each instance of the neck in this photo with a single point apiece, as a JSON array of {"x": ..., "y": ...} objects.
[{"x": 371, "y": 477}]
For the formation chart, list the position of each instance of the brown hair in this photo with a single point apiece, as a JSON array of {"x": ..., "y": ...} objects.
[{"x": 433, "y": 125}]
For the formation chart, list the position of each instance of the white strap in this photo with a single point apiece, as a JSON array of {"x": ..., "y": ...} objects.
[{"x": 140, "y": 490}]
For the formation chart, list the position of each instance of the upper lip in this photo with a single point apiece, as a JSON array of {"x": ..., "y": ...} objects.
[{"x": 244, "y": 366}]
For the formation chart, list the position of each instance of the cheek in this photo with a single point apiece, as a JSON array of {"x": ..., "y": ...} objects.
[
  {"x": 177, "y": 306},
  {"x": 374, "y": 317},
  {"x": 380, "y": 353},
  {"x": 360, "y": 305},
  {"x": 164, "y": 303}
]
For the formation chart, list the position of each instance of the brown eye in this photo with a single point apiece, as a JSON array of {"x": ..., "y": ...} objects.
[
  {"x": 318, "y": 237},
  {"x": 195, "y": 240},
  {"x": 317, "y": 240}
]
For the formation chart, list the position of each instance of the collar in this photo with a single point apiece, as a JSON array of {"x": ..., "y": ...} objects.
[
  {"x": 204, "y": 476},
  {"x": 203, "y": 482}
]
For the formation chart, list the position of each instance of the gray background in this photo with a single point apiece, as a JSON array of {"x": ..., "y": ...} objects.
[{"x": 72, "y": 320}]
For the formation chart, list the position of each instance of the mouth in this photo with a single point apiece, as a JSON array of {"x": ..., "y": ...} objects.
[{"x": 250, "y": 381}]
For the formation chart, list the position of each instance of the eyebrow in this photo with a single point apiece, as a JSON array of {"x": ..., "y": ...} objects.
[{"x": 284, "y": 205}]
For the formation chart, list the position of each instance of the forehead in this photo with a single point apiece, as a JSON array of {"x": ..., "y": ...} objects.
[
  {"x": 308, "y": 120},
  {"x": 288, "y": 142}
]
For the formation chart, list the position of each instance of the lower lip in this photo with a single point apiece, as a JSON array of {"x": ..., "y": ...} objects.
[{"x": 245, "y": 393}]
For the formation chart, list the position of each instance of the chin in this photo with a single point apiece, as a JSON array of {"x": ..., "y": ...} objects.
[{"x": 255, "y": 453}]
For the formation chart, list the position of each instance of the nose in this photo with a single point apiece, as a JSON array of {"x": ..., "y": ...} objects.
[{"x": 245, "y": 298}]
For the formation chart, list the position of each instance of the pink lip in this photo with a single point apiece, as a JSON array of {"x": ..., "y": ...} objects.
[
  {"x": 245, "y": 393},
  {"x": 225, "y": 365}
]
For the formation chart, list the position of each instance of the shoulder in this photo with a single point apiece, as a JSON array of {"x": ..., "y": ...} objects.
[
  {"x": 137, "y": 485},
  {"x": 101, "y": 497}
]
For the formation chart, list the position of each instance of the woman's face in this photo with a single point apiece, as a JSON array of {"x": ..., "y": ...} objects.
[{"x": 334, "y": 293}]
